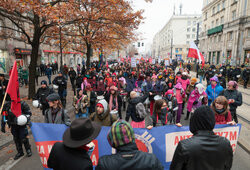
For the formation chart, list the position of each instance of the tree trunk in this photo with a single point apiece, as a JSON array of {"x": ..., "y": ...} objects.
[
  {"x": 34, "y": 56},
  {"x": 88, "y": 55}
]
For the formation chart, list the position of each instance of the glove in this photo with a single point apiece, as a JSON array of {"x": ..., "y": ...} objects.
[{"x": 195, "y": 102}]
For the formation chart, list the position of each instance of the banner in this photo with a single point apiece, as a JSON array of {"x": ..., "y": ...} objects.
[
  {"x": 160, "y": 141},
  {"x": 133, "y": 62}
]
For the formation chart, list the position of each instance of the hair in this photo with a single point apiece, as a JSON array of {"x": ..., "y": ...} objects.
[
  {"x": 221, "y": 100},
  {"x": 157, "y": 106},
  {"x": 59, "y": 104}
]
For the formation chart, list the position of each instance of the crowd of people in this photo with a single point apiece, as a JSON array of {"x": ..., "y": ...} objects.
[{"x": 150, "y": 95}]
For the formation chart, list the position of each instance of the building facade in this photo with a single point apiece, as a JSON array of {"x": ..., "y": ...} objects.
[
  {"x": 226, "y": 31},
  {"x": 177, "y": 34}
]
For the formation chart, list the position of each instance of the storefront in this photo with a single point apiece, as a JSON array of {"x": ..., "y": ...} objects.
[
  {"x": 247, "y": 58},
  {"x": 22, "y": 56}
]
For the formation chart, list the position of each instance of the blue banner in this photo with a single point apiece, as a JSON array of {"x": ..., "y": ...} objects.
[{"x": 161, "y": 141}]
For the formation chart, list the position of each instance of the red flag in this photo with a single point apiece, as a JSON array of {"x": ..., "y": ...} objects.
[
  {"x": 194, "y": 52},
  {"x": 13, "y": 91}
]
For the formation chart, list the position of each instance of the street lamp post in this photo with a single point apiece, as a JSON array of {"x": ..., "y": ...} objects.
[{"x": 171, "y": 47}]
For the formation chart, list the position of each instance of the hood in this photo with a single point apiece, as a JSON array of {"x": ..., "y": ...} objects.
[
  {"x": 202, "y": 119},
  {"x": 200, "y": 88},
  {"x": 105, "y": 104}
]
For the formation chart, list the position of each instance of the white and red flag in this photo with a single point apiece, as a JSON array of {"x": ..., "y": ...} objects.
[{"x": 194, "y": 52}]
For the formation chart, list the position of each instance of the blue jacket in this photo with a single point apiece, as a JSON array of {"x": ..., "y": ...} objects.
[
  {"x": 48, "y": 71},
  {"x": 130, "y": 85},
  {"x": 212, "y": 94}
]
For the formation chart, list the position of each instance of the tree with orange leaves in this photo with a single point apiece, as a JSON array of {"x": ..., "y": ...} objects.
[
  {"x": 34, "y": 20},
  {"x": 104, "y": 24}
]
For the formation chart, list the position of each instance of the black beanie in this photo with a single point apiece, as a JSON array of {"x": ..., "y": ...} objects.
[{"x": 202, "y": 119}]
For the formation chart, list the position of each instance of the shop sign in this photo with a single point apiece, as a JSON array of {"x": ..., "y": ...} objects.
[{"x": 22, "y": 51}]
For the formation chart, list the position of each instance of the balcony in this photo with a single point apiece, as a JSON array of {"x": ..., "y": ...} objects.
[{"x": 215, "y": 30}]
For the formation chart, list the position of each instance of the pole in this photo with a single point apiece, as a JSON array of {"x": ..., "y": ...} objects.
[
  {"x": 60, "y": 34},
  {"x": 4, "y": 98},
  {"x": 171, "y": 45}
]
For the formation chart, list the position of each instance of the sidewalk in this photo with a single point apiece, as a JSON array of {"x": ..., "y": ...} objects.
[
  {"x": 244, "y": 137},
  {"x": 7, "y": 138}
]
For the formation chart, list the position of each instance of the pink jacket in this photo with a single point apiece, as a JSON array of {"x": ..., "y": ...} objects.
[
  {"x": 180, "y": 94},
  {"x": 193, "y": 97},
  {"x": 184, "y": 83}
]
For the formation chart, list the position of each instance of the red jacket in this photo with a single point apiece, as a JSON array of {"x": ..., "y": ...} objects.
[{"x": 222, "y": 118}]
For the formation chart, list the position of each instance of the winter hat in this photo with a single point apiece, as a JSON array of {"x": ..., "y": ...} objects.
[
  {"x": 200, "y": 88},
  {"x": 120, "y": 134},
  {"x": 214, "y": 78},
  {"x": 193, "y": 81},
  {"x": 44, "y": 82},
  {"x": 103, "y": 103},
  {"x": 184, "y": 73},
  {"x": 202, "y": 119},
  {"x": 233, "y": 83},
  {"x": 133, "y": 94},
  {"x": 53, "y": 97}
]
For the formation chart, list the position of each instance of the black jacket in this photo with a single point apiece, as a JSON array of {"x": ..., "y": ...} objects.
[
  {"x": 131, "y": 109},
  {"x": 222, "y": 81},
  {"x": 205, "y": 151},
  {"x": 42, "y": 93},
  {"x": 129, "y": 158},
  {"x": 72, "y": 74},
  {"x": 233, "y": 94},
  {"x": 62, "y": 157},
  {"x": 246, "y": 74},
  {"x": 61, "y": 82},
  {"x": 93, "y": 98}
]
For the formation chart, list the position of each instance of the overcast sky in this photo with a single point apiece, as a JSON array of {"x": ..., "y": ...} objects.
[{"x": 159, "y": 12}]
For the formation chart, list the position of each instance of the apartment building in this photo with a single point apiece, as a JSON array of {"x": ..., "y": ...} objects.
[
  {"x": 225, "y": 38},
  {"x": 177, "y": 34}
]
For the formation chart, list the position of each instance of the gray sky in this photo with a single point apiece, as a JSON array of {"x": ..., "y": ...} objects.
[{"x": 159, "y": 12}]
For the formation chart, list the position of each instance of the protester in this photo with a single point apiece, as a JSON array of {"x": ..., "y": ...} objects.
[
  {"x": 137, "y": 122},
  {"x": 234, "y": 98},
  {"x": 102, "y": 114},
  {"x": 114, "y": 100},
  {"x": 48, "y": 73},
  {"x": 222, "y": 80},
  {"x": 3, "y": 87},
  {"x": 121, "y": 137},
  {"x": 18, "y": 126},
  {"x": 91, "y": 98},
  {"x": 56, "y": 114},
  {"x": 180, "y": 95},
  {"x": 42, "y": 93},
  {"x": 213, "y": 90},
  {"x": 72, "y": 153},
  {"x": 80, "y": 103},
  {"x": 25, "y": 77},
  {"x": 221, "y": 109},
  {"x": 172, "y": 105},
  {"x": 72, "y": 77},
  {"x": 246, "y": 76},
  {"x": 61, "y": 82},
  {"x": 209, "y": 74},
  {"x": 197, "y": 98},
  {"x": 204, "y": 150}
]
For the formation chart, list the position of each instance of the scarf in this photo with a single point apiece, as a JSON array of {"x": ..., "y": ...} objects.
[
  {"x": 111, "y": 102},
  {"x": 54, "y": 113}
]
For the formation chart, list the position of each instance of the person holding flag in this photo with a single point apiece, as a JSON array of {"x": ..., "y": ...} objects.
[
  {"x": 194, "y": 52},
  {"x": 17, "y": 115}
]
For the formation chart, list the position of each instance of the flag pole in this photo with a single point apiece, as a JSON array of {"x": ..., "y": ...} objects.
[{"x": 3, "y": 103}]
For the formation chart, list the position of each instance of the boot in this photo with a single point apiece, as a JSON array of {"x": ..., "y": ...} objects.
[
  {"x": 18, "y": 155},
  {"x": 186, "y": 118},
  {"x": 27, "y": 147}
]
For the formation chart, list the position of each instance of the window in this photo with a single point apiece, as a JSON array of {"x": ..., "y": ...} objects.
[
  {"x": 248, "y": 32},
  {"x": 189, "y": 23},
  {"x": 187, "y": 42},
  {"x": 217, "y": 22},
  {"x": 234, "y": 15},
  {"x": 213, "y": 12},
  {"x": 205, "y": 15},
  {"x": 188, "y": 36},
  {"x": 188, "y": 29},
  {"x": 193, "y": 35},
  {"x": 230, "y": 36},
  {"x": 218, "y": 7},
  {"x": 222, "y": 20},
  {"x": 193, "y": 29},
  {"x": 223, "y": 5},
  {"x": 212, "y": 24},
  {"x": 205, "y": 27},
  {"x": 219, "y": 38},
  {"x": 17, "y": 33}
]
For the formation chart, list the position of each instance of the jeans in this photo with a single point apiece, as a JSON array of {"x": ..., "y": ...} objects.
[
  {"x": 178, "y": 119},
  {"x": 201, "y": 77},
  {"x": 49, "y": 78},
  {"x": 80, "y": 114}
]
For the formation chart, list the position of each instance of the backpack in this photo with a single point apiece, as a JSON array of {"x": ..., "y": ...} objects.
[{"x": 140, "y": 111}]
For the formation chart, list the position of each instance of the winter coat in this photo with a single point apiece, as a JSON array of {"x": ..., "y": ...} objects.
[
  {"x": 62, "y": 157},
  {"x": 180, "y": 94},
  {"x": 246, "y": 74},
  {"x": 131, "y": 109},
  {"x": 72, "y": 74},
  {"x": 233, "y": 94},
  {"x": 212, "y": 94},
  {"x": 222, "y": 81},
  {"x": 48, "y": 71},
  {"x": 129, "y": 157},
  {"x": 80, "y": 104},
  {"x": 62, "y": 117},
  {"x": 79, "y": 81},
  {"x": 160, "y": 119},
  {"x": 204, "y": 150},
  {"x": 25, "y": 74},
  {"x": 222, "y": 118},
  {"x": 130, "y": 85},
  {"x": 61, "y": 82},
  {"x": 209, "y": 74},
  {"x": 92, "y": 101},
  {"x": 184, "y": 83},
  {"x": 106, "y": 119},
  {"x": 194, "y": 96}
]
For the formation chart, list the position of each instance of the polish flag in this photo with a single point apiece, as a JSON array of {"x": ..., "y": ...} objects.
[{"x": 194, "y": 52}]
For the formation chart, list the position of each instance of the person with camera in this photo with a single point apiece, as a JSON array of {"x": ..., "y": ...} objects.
[
  {"x": 40, "y": 97},
  {"x": 61, "y": 82},
  {"x": 18, "y": 126}
]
